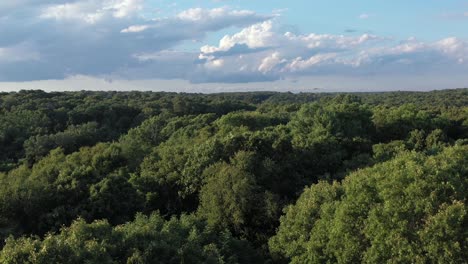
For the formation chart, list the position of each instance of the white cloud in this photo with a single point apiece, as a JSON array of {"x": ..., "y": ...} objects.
[
  {"x": 298, "y": 64},
  {"x": 363, "y": 16},
  {"x": 92, "y": 11},
  {"x": 280, "y": 11},
  {"x": 200, "y": 14},
  {"x": 135, "y": 29},
  {"x": 263, "y": 52},
  {"x": 198, "y": 19},
  {"x": 16, "y": 4},
  {"x": 58, "y": 38},
  {"x": 213, "y": 64},
  {"x": 124, "y": 8},
  {"x": 366, "y": 16},
  {"x": 255, "y": 36},
  {"x": 94, "y": 37},
  {"x": 86, "y": 11},
  {"x": 270, "y": 62},
  {"x": 453, "y": 47}
]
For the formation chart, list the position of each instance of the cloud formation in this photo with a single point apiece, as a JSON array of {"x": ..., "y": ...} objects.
[
  {"x": 281, "y": 55},
  {"x": 53, "y": 39},
  {"x": 92, "y": 11},
  {"x": 94, "y": 37}
]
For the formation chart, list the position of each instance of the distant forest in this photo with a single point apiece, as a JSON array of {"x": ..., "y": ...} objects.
[{"x": 259, "y": 177}]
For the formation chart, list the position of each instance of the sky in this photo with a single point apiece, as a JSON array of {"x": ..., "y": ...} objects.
[{"x": 233, "y": 45}]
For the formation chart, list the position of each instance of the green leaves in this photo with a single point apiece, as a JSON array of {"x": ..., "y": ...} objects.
[
  {"x": 339, "y": 119},
  {"x": 70, "y": 140},
  {"x": 445, "y": 235},
  {"x": 145, "y": 240},
  {"x": 227, "y": 198},
  {"x": 60, "y": 188},
  {"x": 233, "y": 162},
  {"x": 410, "y": 209}
]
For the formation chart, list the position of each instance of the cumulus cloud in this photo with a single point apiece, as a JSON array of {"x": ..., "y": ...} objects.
[
  {"x": 256, "y": 36},
  {"x": 95, "y": 37},
  {"x": 269, "y": 63},
  {"x": 272, "y": 54},
  {"x": 53, "y": 39},
  {"x": 454, "y": 48}
]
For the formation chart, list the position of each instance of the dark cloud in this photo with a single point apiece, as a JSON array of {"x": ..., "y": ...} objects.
[
  {"x": 89, "y": 38},
  {"x": 110, "y": 39}
]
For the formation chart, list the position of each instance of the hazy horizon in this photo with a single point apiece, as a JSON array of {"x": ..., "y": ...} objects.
[{"x": 233, "y": 45}]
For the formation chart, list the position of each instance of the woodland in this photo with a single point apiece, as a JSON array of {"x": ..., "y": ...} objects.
[{"x": 255, "y": 177}]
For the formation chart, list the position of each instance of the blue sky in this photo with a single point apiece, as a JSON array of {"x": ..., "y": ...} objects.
[
  {"x": 223, "y": 45},
  {"x": 425, "y": 19}
]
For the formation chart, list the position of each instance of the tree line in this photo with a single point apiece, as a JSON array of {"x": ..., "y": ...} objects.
[{"x": 265, "y": 177}]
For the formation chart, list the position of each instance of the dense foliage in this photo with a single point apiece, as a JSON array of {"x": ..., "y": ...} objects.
[
  {"x": 408, "y": 210},
  {"x": 143, "y": 177}
]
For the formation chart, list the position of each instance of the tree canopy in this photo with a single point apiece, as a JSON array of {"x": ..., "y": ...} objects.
[{"x": 263, "y": 177}]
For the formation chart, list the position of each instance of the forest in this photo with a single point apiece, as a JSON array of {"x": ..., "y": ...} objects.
[{"x": 255, "y": 177}]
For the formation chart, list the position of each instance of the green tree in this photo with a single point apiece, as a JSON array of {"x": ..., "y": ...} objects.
[
  {"x": 331, "y": 132},
  {"x": 69, "y": 140},
  {"x": 407, "y": 210},
  {"x": 232, "y": 198},
  {"x": 145, "y": 240},
  {"x": 61, "y": 187}
]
